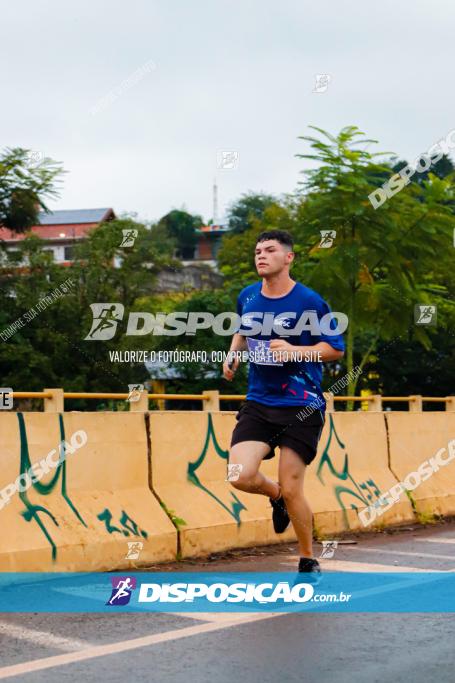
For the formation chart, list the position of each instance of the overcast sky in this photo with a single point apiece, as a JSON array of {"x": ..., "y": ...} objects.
[{"x": 217, "y": 76}]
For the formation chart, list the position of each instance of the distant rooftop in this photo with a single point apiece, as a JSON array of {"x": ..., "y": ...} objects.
[
  {"x": 212, "y": 228},
  {"x": 58, "y": 225},
  {"x": 74, "y": 216}
]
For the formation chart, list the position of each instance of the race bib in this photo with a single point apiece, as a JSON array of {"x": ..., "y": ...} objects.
[{"x": 261, "y": 353}]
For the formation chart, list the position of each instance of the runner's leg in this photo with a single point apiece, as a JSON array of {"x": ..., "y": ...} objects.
[
  {"x": 249, "y": 454},
  {"x": 291, "y": 475}
]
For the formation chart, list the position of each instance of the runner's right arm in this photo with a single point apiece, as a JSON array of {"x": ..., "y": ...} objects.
[{"x": 230, "y": 365}]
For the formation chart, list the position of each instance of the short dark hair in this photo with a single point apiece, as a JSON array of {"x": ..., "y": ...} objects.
[{"x": 280, "y": 236}]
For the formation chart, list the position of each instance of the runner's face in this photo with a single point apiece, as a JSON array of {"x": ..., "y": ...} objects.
[{"x": 271, "y": 257}]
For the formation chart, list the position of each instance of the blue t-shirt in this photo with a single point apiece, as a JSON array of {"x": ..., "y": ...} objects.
[{"x": 294, "y": 383}]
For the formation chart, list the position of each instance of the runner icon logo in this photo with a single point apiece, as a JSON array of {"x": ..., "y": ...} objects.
[
  {"x": 122, "y": 587},
  {"x": 322, "y": 83},
  {"x": 134, "y": 550},
  {"x": 106, "y": 317},
  {"x": 425, "y": 315},
  {"x": 234, "y": 471},
  {"x": 134, "y": 392},
  {"x": 129, "y": 237},
  {"x": 327, "y": 238},
  {"x": 328, "y": 549}
]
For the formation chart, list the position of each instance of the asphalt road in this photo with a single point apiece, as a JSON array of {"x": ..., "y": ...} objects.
[{"x": 268, "y": 648}]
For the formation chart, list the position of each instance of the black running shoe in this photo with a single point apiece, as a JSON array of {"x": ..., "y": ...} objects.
[
  {"x": 280, "y": 515},
  {"x": 309, "y": 571}
]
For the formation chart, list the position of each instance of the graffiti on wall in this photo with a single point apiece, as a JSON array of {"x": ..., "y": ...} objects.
[
  {"x": 39, "y": 514},
  {"x": 348, "y": 492},
  {"x": 128, "y": 524},
  {"x": 236, "y": 506}
]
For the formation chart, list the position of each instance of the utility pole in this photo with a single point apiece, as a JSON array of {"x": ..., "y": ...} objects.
[{"x": 215, "y": 202}]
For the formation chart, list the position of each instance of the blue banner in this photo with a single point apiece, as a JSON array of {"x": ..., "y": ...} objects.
[{"x": 227, "y": 592}]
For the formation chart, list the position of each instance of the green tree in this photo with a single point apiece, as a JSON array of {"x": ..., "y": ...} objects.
[
  {"x": 194, "y": 377},
  {"x": 249, "y": 208},
  {"x": 25, "y": 184},
  {"x": 236, "y": 254},
  {"x": 382, "y": 263},
  {"x": 181, "y": 227},
  {"x": 51, "y": 349},
  {"x": 442, "y": 169},
  {"x": 379, "y": 266}
]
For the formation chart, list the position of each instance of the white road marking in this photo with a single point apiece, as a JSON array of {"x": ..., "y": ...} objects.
[
  {"x": 348, "y": 566},
  {"x": 122, "y": 646},
  {"x": 388, "y": 551},
  {"x": 219, "y": 617},
  {"x": 387, "y": 588},
  {"x": 41, "y": 637},
  {"x": 406, "y": 553},
  {"x": 80, "y": 650},
  {"x": 437, "y": 540}
]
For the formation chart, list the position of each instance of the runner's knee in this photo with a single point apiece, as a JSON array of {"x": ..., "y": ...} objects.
[
  {"x": 241, "y": 478},
  {"x": 291, "y": 486}
]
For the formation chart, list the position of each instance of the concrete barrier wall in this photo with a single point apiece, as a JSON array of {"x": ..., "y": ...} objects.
[
  {"x": 350, "y": 472},
  {"x": 416, "y": 437},
  {"x": 189, "y": 474},
  {"x": 82, "y": 514},
  {"x": 189, "y": 469}
]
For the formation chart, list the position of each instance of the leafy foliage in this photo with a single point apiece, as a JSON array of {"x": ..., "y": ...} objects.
[
  {"x": 382, "y": 263},
  {"x": 249, "y": 208},
  {"x": 51, "y": 349},
  {"x": 25, "y": 184},
  {"x": 181, "y": 227}
]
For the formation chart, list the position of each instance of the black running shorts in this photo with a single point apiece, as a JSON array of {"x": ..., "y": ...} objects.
[{"x": 279, "y": 426}]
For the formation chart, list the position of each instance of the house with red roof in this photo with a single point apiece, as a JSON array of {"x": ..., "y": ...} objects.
[
  {"x": 62, "y": 230},
  {"x": 209, "y": 242}
]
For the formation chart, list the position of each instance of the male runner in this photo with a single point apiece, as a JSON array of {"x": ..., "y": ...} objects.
[{"x": 278, "y": 390}]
